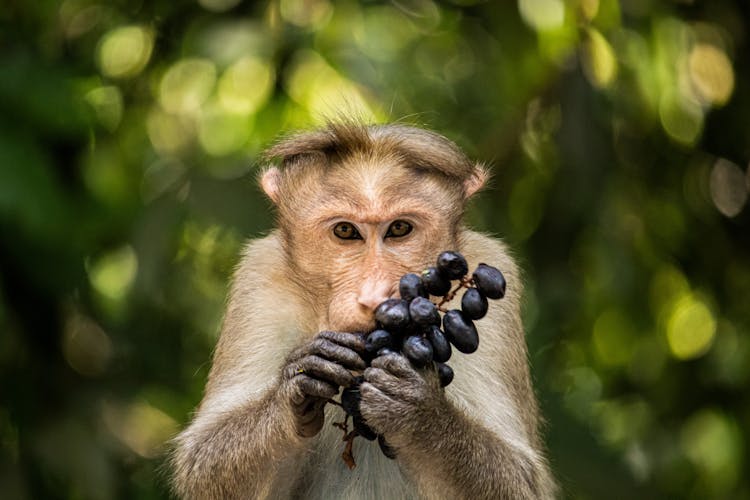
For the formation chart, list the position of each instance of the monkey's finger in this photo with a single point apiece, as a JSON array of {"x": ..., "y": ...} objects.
[
  {"x": 314, "y": 387},
  {"x": 396, "y": 364},
  {"x": 334, "y": 352},
  {"x": 372, "y": 396},
  {"x": 325, "y": 370},
  {"x": 382, "y": 380},
  {"x": 375, "y": 406},
  {"x": 354, "y": 341}
]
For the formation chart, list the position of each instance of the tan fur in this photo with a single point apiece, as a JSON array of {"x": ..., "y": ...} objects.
[{"x": 301, "y": 279}]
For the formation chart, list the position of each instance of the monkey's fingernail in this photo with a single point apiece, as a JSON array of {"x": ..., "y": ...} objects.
[{"x": 299, "y": 371}]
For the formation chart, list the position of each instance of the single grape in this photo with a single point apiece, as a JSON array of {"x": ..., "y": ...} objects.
[
  {"x": 490, "y": 281},
  {"x": 452, "y": 265},
  {"x": 418, "y": 350},
  {"x": 385, "y": 447},
  {"x": 474, "y": 304},
  {"x": 411, "y": 287},
  {"x": 461, "y": 331},
  {"x": 350, "y": 398},
  {"x": 423, "y": 312},
  {"x": 362, "y": 428},
  {"x": 441, "y": 348},
  {"x": 435, "y": 282},
  {"x": 445, "y": 374},
  {"x": 377, "y": 340},
  {"x": 393, "y": 314}
]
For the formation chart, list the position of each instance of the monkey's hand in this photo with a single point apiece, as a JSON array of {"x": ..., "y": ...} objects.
[
  {"x": 313, "y": 373},
  {"x": 398, "y": 400}
]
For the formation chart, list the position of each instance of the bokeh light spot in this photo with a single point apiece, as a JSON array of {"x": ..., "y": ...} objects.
[
  {"x": 589, "y": 8},
  {"x": 542, "y": 15},
  {"x": 622, "y": 421},
  {"x": 714, "y": 444},
  {"x": 113, "y": 274},
  {"x": 140, "y": 426},
  {"x": 316, "y": 86},
  {"x": 167, "y": 132},
  {"x": 681, "y": 118},
  {"x": 599, "y": 62},
  {"x": 667, "y": 285},
  {"x": 107, "y": 104},
  {"x": 583, "y": 391},
  {"x": 306, "y": 13},
  {"x": 691, "y": 328},
  {"x": 221, "y": 133},
  {"x": 186, "y": 85},
  {"x": 711, "y": 73},
  {"x": 86, "y": 347},
  {"x": 124, "y": 52},
  {"x": 245, "y": 86},
  {"x": 383, "y": 33},
  {"x": 78, "y": 18},
  {"x": 727, "y": 185}
]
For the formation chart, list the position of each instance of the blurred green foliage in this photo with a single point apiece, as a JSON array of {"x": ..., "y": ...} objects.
[{"x": 618, "y": 131}]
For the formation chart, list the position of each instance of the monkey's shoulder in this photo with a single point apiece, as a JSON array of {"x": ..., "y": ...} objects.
[
  {"x": 261, "y": 262},
  {"x": 479, "y": 247},
  {"x": 261, "y": 284}
]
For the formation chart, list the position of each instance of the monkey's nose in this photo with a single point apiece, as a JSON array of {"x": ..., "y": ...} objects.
[{"x": 373, "y": 293}]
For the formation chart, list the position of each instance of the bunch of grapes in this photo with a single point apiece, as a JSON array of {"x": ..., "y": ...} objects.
[{"x": 412, "y": 325}]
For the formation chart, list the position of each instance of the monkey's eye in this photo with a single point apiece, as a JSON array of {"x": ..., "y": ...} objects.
[
  {"x": 398, "y": 229},
  {"x": 346, "y": 231}
]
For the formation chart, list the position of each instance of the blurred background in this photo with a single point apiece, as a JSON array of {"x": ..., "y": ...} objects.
[{"x": 619, "y": 137}]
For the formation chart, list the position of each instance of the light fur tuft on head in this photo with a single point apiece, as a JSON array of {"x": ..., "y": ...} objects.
[{"x": 416, "y": 147}]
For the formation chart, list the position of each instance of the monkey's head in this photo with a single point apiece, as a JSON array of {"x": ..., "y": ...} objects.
[{"x": 359, "y": 206}]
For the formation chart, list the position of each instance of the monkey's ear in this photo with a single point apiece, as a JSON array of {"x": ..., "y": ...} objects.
[
  {"x": 476, "y": 180},
  {"x": 270, "y": 181}
]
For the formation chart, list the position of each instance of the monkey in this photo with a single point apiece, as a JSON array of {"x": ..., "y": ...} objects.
[{"x": 357, "y": 206}]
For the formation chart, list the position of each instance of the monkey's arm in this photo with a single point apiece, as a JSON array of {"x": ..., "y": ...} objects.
[
  {"x": 241, "y": 450},
  {"x": 478, "y": 438},
  {"x": 449, "y": 454},
  {"x": 235, "y": 453},
  {"x": 261, "y": 401}
]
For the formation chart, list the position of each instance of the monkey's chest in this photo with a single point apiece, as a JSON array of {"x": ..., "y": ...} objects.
[{"x": 325, "y": 475}]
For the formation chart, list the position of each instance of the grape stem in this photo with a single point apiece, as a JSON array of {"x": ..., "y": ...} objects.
[
  {"x": 347, "y": 456},
  {"x": 463, "y": 283}
]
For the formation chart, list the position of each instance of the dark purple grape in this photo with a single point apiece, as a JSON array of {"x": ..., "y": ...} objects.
[
  {"x": 441, "y": 348},
  {"x": 490, "y": 281},
  {"x": 393, "y": 314},
  {"x": 385, "y": 351},
  {"x": 461, "y": 331},
  {"x": 411, "y": 287},
  {"x": 418, "y": 350},
  {"x": 362, "y": 428},
  {"x": 377, "y": 340},
  {"x": 435, "y": 282},
  {"x": 350, "y": 398},
  {"x": 445, "y": 374},
  {"x": 474, "y": 304},
  {"x": 385, "y": 447},
  {"x": 423, "y": 312},
  {"x": 452, "y": 265}
]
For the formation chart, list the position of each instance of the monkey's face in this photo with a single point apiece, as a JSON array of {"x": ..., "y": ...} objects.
[{"x": 356, "y": 228}]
